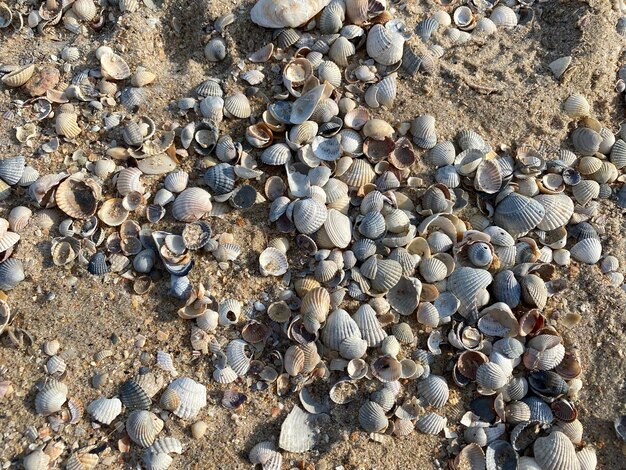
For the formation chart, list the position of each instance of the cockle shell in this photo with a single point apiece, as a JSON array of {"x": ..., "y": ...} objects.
[
  {"x": 297, "y": 433},
  {"x": 192, "y": 204},
  {"x": 36, "y": 460},
  {"x": 51, "y": 397},
  {"x": 114, "y": 67},
  {"x": 105, "y": 410},
  {"x": 273, "y": 262},
  {"x": 19, "y": 76},
  {"x": 503, "y": 16},
  {"x": 285, "y": 13},
  {"x": 143, "y": 427},
  {"x": 191, "y": 395},
  {"x": 85, "y": 9},
  {"x": 372, "y": 417},
  {"x": 555, "y": 452},
  {"x": 384, "y": 45}
]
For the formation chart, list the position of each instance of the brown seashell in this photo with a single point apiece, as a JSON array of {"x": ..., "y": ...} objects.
[
  {"x": 19, "y": 76},
  {"x": 78, "y": 196}
]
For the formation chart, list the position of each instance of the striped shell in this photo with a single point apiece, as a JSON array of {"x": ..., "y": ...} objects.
[
  {"x": 12, "y": 169},
  {"x": 128, "y": 181},
  {"x": 371, "y": 329},
  {"x": 85, "y": 10},
  {"x": 503, "y": 16},
  {"x": 372, "y": 417},
  {"x": 434, "y": 389},
  {"x": 423, "y": 131},
  {"x": 11, "y": 273},
  {"x": 555, "y": 452},
  {"x": 309, "y": 215},
  {"x": 576, "y": 106},
  {"x": 143, "y": 427},
  {"x": 431, "y": 423},
  {"x": 384, "y": 45},
  {"x": 192, "y": 204},
  {"x": 237, "y": 106},
  {"x": 51, "y": 397},
  {"x": 105, "y": 410},
  {"x": 191, "y": 396},
  {"x": 558, "y": 210},
  {"x": 19, "y": 76},
  {"x": 588, "y": 250},
  {"x": 114, "y": 67},
  {"x": 66, "y": 124},
  {"x": 518, "y": 214}
]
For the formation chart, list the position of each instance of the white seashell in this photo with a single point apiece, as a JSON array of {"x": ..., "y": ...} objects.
[
  {"x": 192, "y": 396},
  {"x": 51, "y": 397},
  {"x": 285, "y": 13},
  {"x": 36, "y": 460},
  {"x": 105, "y": 410},
  {"x": 143, "y": 427},
  {"x": 128, "y": 181},
  {"x": 504, "y": 17},
  {"x": 576, "y": 106},
  {"x": 273, "y": 262},
  {"x": 339, "y": 326},
  {"x": 555, "y": 452},
  {"x": 215, "y": 50},
  {"x": 371, "y": 330},
  {"x": 237, "y": 106},
  {"x": 191, "y": 205},
  {"x": 384, "y": 45},
  {"x": 431, "y": 423},
  {"x": 297, "y": 433},
  {"x": 434, "y": 389},
  {"x": 372, "y": 417},
  {"x": 85, "y": 10},
  {"x": 423, "y": 131},
  {"x": 588, "y": 250},
  {"x": 114, "y": 67}
]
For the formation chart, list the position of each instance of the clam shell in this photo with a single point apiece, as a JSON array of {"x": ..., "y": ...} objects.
[
  {"x": 215, "y": 50},
  {"x": 441, "y": 154},
  {"x": 431, "y": 423},
  {"x": 82, "y": 461},
  {"x": 587, "y": 458},
  {"x": 518, "y": 214},
  {"x": 114, "y": 67},
  {"x": 558, "y": 210},
  {"x": 192, "y": 204},
  {"x": 285, "y": 13},
  {"x": 237, "y": 106},
  {"x": 309, "y": 215},
  {"x": 585, "y": 191},
  {"x": 501, "y": 455},
  {"x": 466, "y": 283},
  {"x": 355, "y": 172},
  {"x": 297, "y": 433},
  {"x": 112, "y": 212},
  {"x": 576, "y": 106},
  {"x": 78, "y": 197},
  {"x": 404, "y": 295},
  {"x": 370, "y": 327},
  {"x": 372, "y": 417},
  {"x": 384, "y": 45},
  {"x": 133, "y": 396},
  {"x": 339, "y": 326},
  {"x": 191, "y": 396},
  {"x": 66, "y": 124},
  {"x": 36, "y": 460},
  {"x": 329, "y": 71},
  {"x": 555, "y": 452},
  {"x": 423, "y": 131},
  {"x": 588, "y": 250},
  {"x": 11, "y": 169},
  {"x": 491, "y": 376},
  {"x": 434, "y": 389},
  {"x": 586, "y": 140},
  {"x": 273, "y": 262},
  {"x": 85, "y": 10},
  {"x": 277, "y": 154},
  {"x": 618, "y": 154},
  {"x": 19, "y": 76},
  {"x": 51, "y": 397},
  {"x": 105, "y": 410},
  {"x": 11, "y": 273},
  {"x": 504, "y": 17},
  {"x": 143, "y": 427}
]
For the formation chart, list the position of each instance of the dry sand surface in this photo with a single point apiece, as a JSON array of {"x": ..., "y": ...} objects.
[{"x": 500, "y": 86}]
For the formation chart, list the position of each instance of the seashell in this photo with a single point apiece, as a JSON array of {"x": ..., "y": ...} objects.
[
  {"x": 586, "y": 140},
  {"x": 273, "y": 262},
  {"x": 128, "y": 181},
  {"x": 114, "y": 67},
  {"x": 142, "y": 77},
  {"x": 277, "y": 154},
  {"x": 191, "y": 397},
  {"x": 19, "y": 76},
  {"x": 372, "y": 417},
  {"x": 503, "y": 16},
  {"x": 588, "y": 250},
  {"x": 51, "y": 397},
  {"x": 434, "y": 389},
  {"x": 386, "y": 369},
  {"x": 370, "y": 327},
  {"x": 576, "y": 106},
  {"x": 587, "y": 458},
  {"x": 518, "y": 214},
  {"x": 328, "y": 71},
  {"x": 433, "y": 270},
  {"x": 285, "y": 13},
  {"x": 555, "y": 452},
  {"x": 215, "y": 50},
  {"x": 97, "y": 264},
  {"x": 112, "y": 212},
  {"x": 585, "y": 191},
  {"x": 66, "y": 124},
  {"x": 534, "y": 291},
  {"x": 85, "y": 10},
  {"x": 133, "y": 396},
  {"x": 423, "y": 131},
  {"x": 176, "y": 182},
  {"x": 558, "y": 210},
  {"x": 500, "y": 455},
  {"x": 309, "y": 215},
  {"x": 82, "y": 461},
  {"x": 559, "y": 66},
  {"x": 297, "y": 433},
  {"x": 38, "y": 459},
  {"x": 441, "y": 154},
  {"x": 191, "y": 205},
  {"x": 491, "y": 376},
  {"x": 384, "y": 45},
  {"x": 339, "y": 326},
  {"x": 12, "y": 169},
  {"x": 431, "y": 423},
  {"x": 105, "y": 410},
  {"x": 485, "y": 26},
  {"x": 11, "y": 272},
  {"x": 237, "y": 106},
  {"x": 143, "y": 427}
]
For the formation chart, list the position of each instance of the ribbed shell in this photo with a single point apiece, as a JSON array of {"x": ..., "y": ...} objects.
[
  {"x": 277, "y": 154},
  {"x": 465, "y": 283},
  {"x": 297, "y": 433},
  {"x": 66, "y": 124},
  {"x": 143, "y": 427},
  {"x": 372, "y": 225},
  {"x": 105, "y": 410},
  {"x": 434, "y": 389},
  {"x": 128, "y": 181},
  {"x": 51, "y": 397},
  {"x": 19, "y": 76},
  {"x": 192, "y": 397},
  {"x": 339, "y": 326},
  {"x": 518, "y": 214},
  {"x": 12, "y": 168},
  {"x": 576, "y": 106},
  {"x": 423, "y": 131},
  {"x": 586, "y": 140},
  {"x": 431, "y": 423},
  {"x": 82, "y": 461},
  {"x": 491, "y": 376},
  {"x": 585, "y": 191},
  {"x": 11, "y": 273},
  {"x": 587, "y": 458},
  {"x": 36, "y": 460},
  {"x": 558, "y": 210},
  {"x": 237, "y": 106},
  {"x": 371, "y": 330},
  {"x": 555, "y": 452},
  {"x": 176, "y": 181},
  {"x": 133, "y": 396},
  {"x": 192, "y": 204},
  {"x": 588, "y": 250},
  {"x": 503, "y": 16},
  {"x": 220, "y": 178},
  {"x": 309, "y": 215},
  {"x": 384, "y": 45},
  {"x": 372, "y": 417}
]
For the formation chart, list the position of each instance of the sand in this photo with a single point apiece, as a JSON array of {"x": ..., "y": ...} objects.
[{"x": 500, "y": 86}]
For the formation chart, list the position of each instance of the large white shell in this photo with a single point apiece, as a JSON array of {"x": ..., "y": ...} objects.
[
  {"x": 105, "y": 410},
  {"x": 556, "y": 452},
  {"x": 192, "y": 397},
  {"x": 51, "y": 397},
  {"x": 192, "y": 204},
  {"x": 297, "y": 433},
  {"x": 285, "y": 13},
  {"x": 143, "y": 427}
]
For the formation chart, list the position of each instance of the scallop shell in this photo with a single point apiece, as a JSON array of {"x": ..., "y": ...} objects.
[
  {"x": 114, "y": 67},
  {"x": 237, "y": 106},
  {"x": 191, "y": 395},
  {"x": 285, "y": 13},
  {"x": 143, "y": 427},
  {"x": 297, "y": 433},
  {"x": 518, "y": 214},
  {"x": 372, "y": 417},
  {"x": 504, "y": 17},
  {"x": 82, "y": 461},
  {"x": 51, "y": 397},
  {"x": 19, "y": 76},
  {"x": 11, "y": 273},
  {"x": 555, "y": 452},
  {"x": 78, "y": 197},
  {"x": 66, "y": 124},
  {"x": 191, "y": 205},
  {"x": 384, "y": 45},
  {"x": 423, "y": 131},
  {"x": 431, "y": 423},
  {"x": 370, "y": 327},
  {"x": 105, "y": 410},
  {"x": 176, "y": 182},
  {"x": 85, "y": 10},
  {"x": 273, "y": 262},
  {"x": 588, "y": 250},
  {"x": 309, "y": 215}
]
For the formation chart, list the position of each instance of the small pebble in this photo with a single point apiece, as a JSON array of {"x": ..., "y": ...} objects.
[{"x": 198, "y": 429}]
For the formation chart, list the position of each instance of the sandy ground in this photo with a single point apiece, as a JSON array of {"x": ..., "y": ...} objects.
[{"x": 522, "y": 105}]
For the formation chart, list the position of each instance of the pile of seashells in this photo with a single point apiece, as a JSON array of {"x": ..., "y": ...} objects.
[{"x": 472, "y": 258}]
